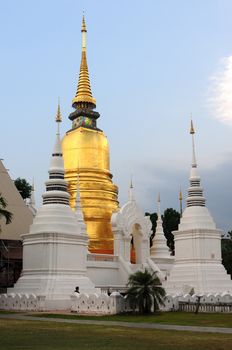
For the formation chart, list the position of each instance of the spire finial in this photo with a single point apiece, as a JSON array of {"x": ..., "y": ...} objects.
[
  {"x": 192, "y": 132},
  {"x": 83, "y": 27},
  {"x": 131, "y": 196},
  {"x": 131, "y": 182},
  {"x": 84, "y": 96},
  {"x": 180, "y": 199},
  {"x": 58, "y": 117},
  {"x": 195, "y": 191},
  {"x": 180, "y": 195},
  {"x": 158, "y": 205},
  {"x": 83, "y": 31}
]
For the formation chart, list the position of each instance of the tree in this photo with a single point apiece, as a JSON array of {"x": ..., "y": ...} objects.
[
  {"x": 8, "y": 216},
  {"x": 153, "y": 218},
  {"x": 171, "y": 220},
  {"x": 23, "y": 187},
  {"x": 227, "y": 253},
  {"x": 144, "y": 290}
]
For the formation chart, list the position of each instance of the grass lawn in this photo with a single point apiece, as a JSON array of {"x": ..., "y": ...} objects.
[
  {"x": 38, "y": 335},
  {"x": 178, "y": 318}
]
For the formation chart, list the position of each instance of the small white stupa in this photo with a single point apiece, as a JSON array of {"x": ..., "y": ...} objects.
[
  {"x": 55, "y": 249},
  {"x": 198, "y": 265},
  {"x": 159, "y": 251}
]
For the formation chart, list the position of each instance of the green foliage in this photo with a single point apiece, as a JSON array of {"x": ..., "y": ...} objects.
[
  {"x": 227, "y": 253},
  {"x": 171, "y": 220},
  {"x": 144, "y": 290},
  {"x": 4, "y": 212},
  {"x": 23, "y": 187},
  {"x": 153, "y": 218}
]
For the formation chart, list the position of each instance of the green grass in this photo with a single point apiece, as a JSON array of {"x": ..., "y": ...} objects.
[
  {"x": 9, "y": 312},
  {"x": 37, "y": 335},
  {"x": 177, "y": 318}
]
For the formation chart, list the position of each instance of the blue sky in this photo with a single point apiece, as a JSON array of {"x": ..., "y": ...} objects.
[{"x": 151, "y": 64}]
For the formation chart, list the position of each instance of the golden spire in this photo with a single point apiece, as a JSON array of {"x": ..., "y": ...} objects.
[{"x": 84, "y": 94}]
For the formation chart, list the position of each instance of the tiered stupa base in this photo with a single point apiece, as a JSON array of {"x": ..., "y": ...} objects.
[{"x": 198, "y": 278}]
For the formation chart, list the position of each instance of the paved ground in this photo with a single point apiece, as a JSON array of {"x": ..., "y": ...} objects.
[{"x": 121, "y": 324}]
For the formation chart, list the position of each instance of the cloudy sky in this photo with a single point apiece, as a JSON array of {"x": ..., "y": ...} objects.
[{"x": 151, "y": 63}]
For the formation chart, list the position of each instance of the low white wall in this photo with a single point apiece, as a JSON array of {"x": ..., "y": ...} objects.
[
  {"x": 103, "y": 304},
  {"x": 208, "y": 303},
  {"x": 17, "y": 301},
  {"x": 99, "y": 304}
]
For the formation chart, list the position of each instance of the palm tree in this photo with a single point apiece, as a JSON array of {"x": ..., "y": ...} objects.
[
  {"x": 3, "y": 212},
  {"x": 144, "y": 290}
]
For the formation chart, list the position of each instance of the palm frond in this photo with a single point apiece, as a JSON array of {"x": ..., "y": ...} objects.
[
  {"x": 145, "y": 289},
  {"x": 3, "y": 212},
  {"x": 7, "y": 215}
]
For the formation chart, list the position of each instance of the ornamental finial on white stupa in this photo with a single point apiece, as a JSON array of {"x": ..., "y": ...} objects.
[
  {"x": 56, "y": 186},
  {"x": 58, "y": 148},
  {"x": 195, "y": 191},
  {"x": 158, "y": 206},
  {"x": 159, "y": 247},
  {"x": 131, "y": 191},
  {"x": 192, "y": 132},
  {"x": 58, "y": 117},
  {"x": 180, "y": 200}
]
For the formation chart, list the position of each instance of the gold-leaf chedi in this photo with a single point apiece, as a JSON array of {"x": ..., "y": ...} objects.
[{"x": 86, "y": 155}]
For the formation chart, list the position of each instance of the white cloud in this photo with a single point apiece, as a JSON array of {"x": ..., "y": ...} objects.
[{"x": 220, "y": 100}]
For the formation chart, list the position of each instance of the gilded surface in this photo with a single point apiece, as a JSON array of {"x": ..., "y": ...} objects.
[{"x": 86, "y": 151}]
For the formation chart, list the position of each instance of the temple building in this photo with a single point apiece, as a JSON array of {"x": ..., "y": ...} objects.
[
  {"x": 55, "y": 249},
  {"x": 198, "y": 263},
  {"x": 86, "y": 156},
  {"x": 10, "y": 240},
  {"x": 81, "y": 247}
]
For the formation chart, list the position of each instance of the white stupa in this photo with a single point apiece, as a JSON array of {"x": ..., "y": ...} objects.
[
  {"x": 159, "y": 251},
  {"x": 198, "y": 264},
  {"x": 55, "y": 249}
]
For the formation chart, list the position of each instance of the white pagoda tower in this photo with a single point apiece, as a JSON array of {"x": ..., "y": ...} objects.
[
  {"x": 198, "y": 264},
  {"x": 55, "y": 249},
  {"x": 159, "y": 251}
]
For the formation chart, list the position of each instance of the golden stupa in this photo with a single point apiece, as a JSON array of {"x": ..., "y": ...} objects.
[{"x": 86, "y": 162}]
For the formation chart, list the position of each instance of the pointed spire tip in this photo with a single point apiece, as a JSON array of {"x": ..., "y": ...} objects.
[
  {"x": 58, "y": 113},
  {"x": 180, "y": 195},
  {"x": 83, "y": 26},
  {"x": 192, "y": 130},
  {"x": 131, "y": 183}
]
